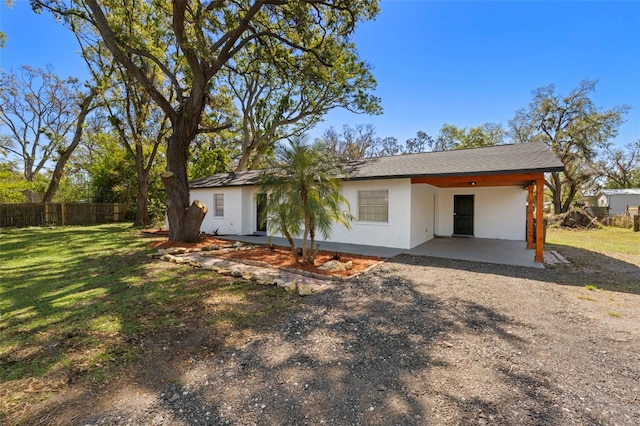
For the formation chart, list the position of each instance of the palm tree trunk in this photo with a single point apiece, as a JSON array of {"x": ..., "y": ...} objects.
[
  {"x": 304, "y": 242},
  {"x": 312, "y": 240},
  {"x": 291, "y": 244}
]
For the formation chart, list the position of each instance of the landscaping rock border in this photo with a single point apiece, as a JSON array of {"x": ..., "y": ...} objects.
[{"x": 261, "y": 273}]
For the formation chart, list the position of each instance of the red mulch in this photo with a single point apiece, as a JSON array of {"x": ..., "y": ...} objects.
[{"x": 277, "y": 257}]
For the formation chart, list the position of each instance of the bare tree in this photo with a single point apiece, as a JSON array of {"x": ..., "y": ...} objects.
[
  {"x": 419, "y": 144},
  {"x": 42, "y": 116},
  {"x": 621, "y": 167},
  {"x": 38, "y": 110},
  {"x": 353, "y": 143}
]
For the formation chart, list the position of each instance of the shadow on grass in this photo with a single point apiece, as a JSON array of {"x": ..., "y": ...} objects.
[
  {"x": 57, "y": 295},
  {"x": 592, "y": 268},
  {"x": 80, "y": 307}
]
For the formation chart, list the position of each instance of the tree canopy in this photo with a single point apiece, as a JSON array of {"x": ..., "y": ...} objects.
[
  {"x": 574, "y": 128},
  {"x": 190, "y": 43},
  {"x": 453, "y": 137},
  {"x": 281, "y": 96}
]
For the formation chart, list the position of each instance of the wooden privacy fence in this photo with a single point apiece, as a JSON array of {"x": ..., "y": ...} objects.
[{"x": 38, "y": 214}]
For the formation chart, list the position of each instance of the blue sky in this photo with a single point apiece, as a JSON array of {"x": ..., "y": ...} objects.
[{"x": 436, "y": 62}]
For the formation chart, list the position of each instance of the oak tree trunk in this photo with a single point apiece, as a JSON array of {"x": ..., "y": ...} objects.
[
  {"x": 573, "y": 190},
  {"x": 184, "y": 219}
]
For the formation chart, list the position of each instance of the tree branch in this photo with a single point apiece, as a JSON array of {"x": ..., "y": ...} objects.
[{"x": 109, "y": 38}]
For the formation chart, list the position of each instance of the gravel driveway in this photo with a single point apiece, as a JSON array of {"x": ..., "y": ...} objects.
[{"x": 418, "y": 341}]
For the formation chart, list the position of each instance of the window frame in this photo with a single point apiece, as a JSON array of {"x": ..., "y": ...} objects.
[
  {"x": 373, "y": 206},
  {"x": 217, "y": 205}
]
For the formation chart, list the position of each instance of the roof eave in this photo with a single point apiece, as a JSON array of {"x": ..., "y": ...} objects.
[{"x": 407, "y": 176}]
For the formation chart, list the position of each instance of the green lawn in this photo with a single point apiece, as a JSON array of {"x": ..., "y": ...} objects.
[
  {"x": 608, "y": 240},
  {"x": 84, "y": 304},
  {"x": 607, "y": 258}
]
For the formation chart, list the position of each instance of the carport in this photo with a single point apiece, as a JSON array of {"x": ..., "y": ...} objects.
[{"x": 533, "y": 182}]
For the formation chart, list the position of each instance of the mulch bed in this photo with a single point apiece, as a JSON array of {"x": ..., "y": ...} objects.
[{"x": 276, "y": 257}]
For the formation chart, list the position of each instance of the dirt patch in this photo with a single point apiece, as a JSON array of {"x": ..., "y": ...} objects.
[{"x": 276, "y": 257}]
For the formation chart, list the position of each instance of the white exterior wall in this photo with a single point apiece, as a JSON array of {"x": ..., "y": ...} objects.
[
  {"x": 232, "y": 221},
  {"x": 395, "y": 233},
  {"x": 249, "y": 221},
  {"x": 417, "y": 212},
  {"x": 499, "y": 212},
  {"x": 423, "y": 200}
]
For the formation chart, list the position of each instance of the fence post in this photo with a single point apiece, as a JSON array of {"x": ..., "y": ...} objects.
[
  {"x": 62, "y": 214},
  {"x": 636, "y": 223}
]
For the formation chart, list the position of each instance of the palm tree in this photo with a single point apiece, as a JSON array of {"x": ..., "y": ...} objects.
[{"x": 303, "y": 186}]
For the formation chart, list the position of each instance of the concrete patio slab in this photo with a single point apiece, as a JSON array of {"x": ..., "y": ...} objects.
[{"x": 502, "y": 252}]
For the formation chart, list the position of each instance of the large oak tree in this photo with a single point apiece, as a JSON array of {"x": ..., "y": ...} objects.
[
  {"x": 574, "y": 128},
  {"x": 202, "y": 38}
]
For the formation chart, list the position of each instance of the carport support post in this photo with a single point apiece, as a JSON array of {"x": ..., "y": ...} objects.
[
  {"x": 530, "y": 216},
  {"x": 539, "y": 220}
]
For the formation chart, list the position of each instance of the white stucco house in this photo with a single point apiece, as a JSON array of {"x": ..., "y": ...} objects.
[
  {"x": 617, "y": 200},
  {"x": 403, "y": 201}
]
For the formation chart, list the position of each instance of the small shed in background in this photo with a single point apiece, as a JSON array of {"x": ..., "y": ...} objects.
[{"x": 617, "y": 200}]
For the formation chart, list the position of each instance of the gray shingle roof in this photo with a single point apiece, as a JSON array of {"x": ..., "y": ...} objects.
[
  {"x": 226, "y": 179},
  {"x": 501, "y": 159}
]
